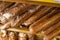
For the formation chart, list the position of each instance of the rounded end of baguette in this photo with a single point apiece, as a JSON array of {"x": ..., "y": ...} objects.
[
  {"x": 22, "y": 35},
  {"x": 32, "y": 31},
  {"x": 25, "y": 25}
]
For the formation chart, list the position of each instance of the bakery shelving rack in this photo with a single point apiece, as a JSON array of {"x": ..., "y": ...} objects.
[{"x": 52, "y": 3}]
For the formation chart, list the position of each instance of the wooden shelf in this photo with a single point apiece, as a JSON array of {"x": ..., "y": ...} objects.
[{"x": 46, "y": 3}]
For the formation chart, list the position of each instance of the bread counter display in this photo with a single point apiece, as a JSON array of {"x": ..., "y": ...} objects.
[{"x": 19, "y": 21}]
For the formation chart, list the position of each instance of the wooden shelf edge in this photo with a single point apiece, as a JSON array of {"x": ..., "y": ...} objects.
[{"x": 34, "y": 3}]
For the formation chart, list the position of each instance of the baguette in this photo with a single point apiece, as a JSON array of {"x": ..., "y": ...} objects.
[
  {"x": 22, "y": 36},
  {"x": 25, "y": 16},
  {"x": 7, "y": 25},
  {"x": 48, "y": 22},
  {"x": 12, "y": 36},
  {"x": 31, "y": 37},
  {"x": 36, "y": 16},
  {"x": 3, "y": 35},
  {"x": 19, "y": 9},
  {"x": 53, "y": 34},
  {"x": 4, "y": 5},
  {"x": 53, "y": 12},
  {"x": 50, "y": 29}
]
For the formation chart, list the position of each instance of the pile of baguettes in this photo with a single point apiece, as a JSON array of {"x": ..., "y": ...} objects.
[{"x": 28, "y": 22}]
